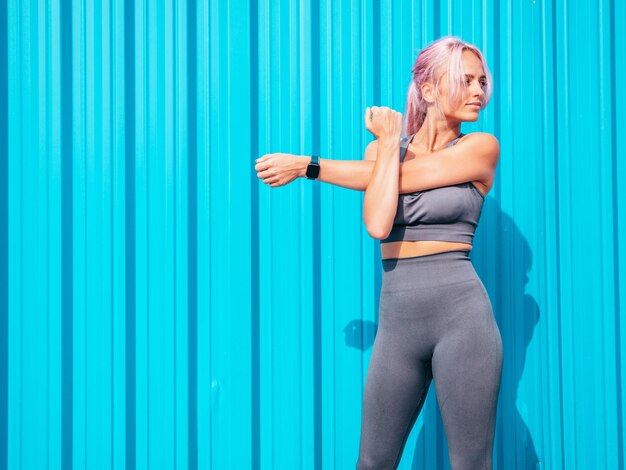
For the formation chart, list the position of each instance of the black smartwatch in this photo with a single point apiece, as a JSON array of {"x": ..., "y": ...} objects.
[{"x": 313, "y": 169}]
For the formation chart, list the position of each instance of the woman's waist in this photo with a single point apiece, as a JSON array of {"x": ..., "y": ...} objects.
[
  {"x": 410, "y": 249},
  {"x": 435, "y": 270}
]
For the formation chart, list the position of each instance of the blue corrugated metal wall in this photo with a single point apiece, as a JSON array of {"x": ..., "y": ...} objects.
[{"x": 162, "y": 308}]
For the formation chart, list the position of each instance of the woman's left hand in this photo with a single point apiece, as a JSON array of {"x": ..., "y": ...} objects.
[
  {"x": 279, "y": 169},
  {"x": 383, "y": 122}
]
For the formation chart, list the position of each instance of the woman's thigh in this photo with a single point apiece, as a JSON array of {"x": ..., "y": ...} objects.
[
  {"x": 467, "y": 365},
  {"x": 395, "y": 388}
]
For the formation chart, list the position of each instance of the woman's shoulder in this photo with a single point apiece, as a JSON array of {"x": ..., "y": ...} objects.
[{"x": 481, "y": 138}]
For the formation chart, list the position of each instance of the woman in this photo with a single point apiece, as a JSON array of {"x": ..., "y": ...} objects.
[{"x": 435, "y": 317}]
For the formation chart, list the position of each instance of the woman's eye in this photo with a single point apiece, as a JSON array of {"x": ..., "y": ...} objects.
[{"x": 482, "y": 83}]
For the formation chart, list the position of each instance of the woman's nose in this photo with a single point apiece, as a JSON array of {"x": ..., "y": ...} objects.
[{"x": 477, "y": 89}]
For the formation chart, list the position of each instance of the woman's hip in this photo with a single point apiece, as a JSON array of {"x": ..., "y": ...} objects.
[{"x": 440, "y": 288}]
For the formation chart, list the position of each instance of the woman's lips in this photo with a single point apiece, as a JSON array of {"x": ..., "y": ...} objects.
[{"x": 475, "y": 106}]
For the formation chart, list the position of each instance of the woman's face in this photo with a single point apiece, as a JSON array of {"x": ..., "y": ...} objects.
[{"x": 472, "y": 95}]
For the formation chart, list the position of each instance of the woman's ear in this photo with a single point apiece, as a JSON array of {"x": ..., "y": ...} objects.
[{"x": 428, "y": 92}]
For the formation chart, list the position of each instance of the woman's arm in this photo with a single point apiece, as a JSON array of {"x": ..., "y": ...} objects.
[
  {"x": 351, "y": 174},
  {"x": 381, "y": 196},
  {"x": 474, "y": 158}
]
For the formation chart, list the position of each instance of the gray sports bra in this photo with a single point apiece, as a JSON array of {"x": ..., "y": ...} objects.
[{"x": 449, "y": 213}]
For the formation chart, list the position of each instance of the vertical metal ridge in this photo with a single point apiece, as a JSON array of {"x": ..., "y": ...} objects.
[
  {"x": 497, "y": 78},
  {"x": 45, "y": 91},
  {"x": 616, "y": 234},
  {"x": 20, "y": 341},
  {"x": 130, "y": 240},
  {"x": 192, "y": 236},
  {"x": 316, "y": 148},
  {"x": 67, "y": 235},
  {"x": 255, "y": 347},
  {"x": 557, "y": 192},
  {"x": 175, "y": 188},
  {"x": 112, "y": 148},
  {"x": 4, "y": 235}
]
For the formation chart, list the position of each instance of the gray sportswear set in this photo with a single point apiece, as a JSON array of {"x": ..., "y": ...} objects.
[{"x": 436, "y": 323}]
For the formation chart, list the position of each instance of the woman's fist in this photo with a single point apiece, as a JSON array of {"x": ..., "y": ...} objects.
[
  {"x": 279, "y": 169},
  {"x": 383, "y": 122}
]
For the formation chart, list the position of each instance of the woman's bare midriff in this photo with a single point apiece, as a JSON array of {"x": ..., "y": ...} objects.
[{"x": 408, "y": 249}]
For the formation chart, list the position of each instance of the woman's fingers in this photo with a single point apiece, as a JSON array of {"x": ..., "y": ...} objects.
[
  {"x": 262, "y": 165},
  {"x": 269, "y": 169},
  {"x": 265, "y": 174},
  {"x": 382, "y": 121},
  {"x": 273, "y": 181},
  {"x": 378, "y": 114},
  {"x": 264, "y": 162}
]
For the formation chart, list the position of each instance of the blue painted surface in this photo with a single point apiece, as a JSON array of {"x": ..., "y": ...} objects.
[{"x": 161, "y": 307}]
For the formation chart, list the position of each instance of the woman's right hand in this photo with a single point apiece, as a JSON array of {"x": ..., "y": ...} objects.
[
  {"x": 383, "y": 122},
  {"x": 279, "y": 169}
]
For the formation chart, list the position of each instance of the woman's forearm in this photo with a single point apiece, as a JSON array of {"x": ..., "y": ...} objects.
[
  {"x": 351, "y": 174},
  {"x": 381, "y": 196}
]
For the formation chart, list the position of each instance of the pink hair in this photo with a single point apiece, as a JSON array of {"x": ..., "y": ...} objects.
[{"x": 440, "y": 56}]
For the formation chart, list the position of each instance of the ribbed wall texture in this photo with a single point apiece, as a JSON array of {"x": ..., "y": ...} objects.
[{"x": 162, "y": 308}]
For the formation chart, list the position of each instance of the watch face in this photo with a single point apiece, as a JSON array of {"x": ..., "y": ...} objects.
[{"x": 312, "y": 171}]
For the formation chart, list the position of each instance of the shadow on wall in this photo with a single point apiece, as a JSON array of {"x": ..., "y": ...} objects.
[{"x": 511, "y": 302}]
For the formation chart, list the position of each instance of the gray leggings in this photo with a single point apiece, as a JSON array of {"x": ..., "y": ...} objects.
[{"x": 435, "y": 321}]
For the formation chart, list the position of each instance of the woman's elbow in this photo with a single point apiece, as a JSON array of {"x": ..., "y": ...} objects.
[
  {"x": 378, "y": 231},
  {"x": 378, "y": 221}
]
